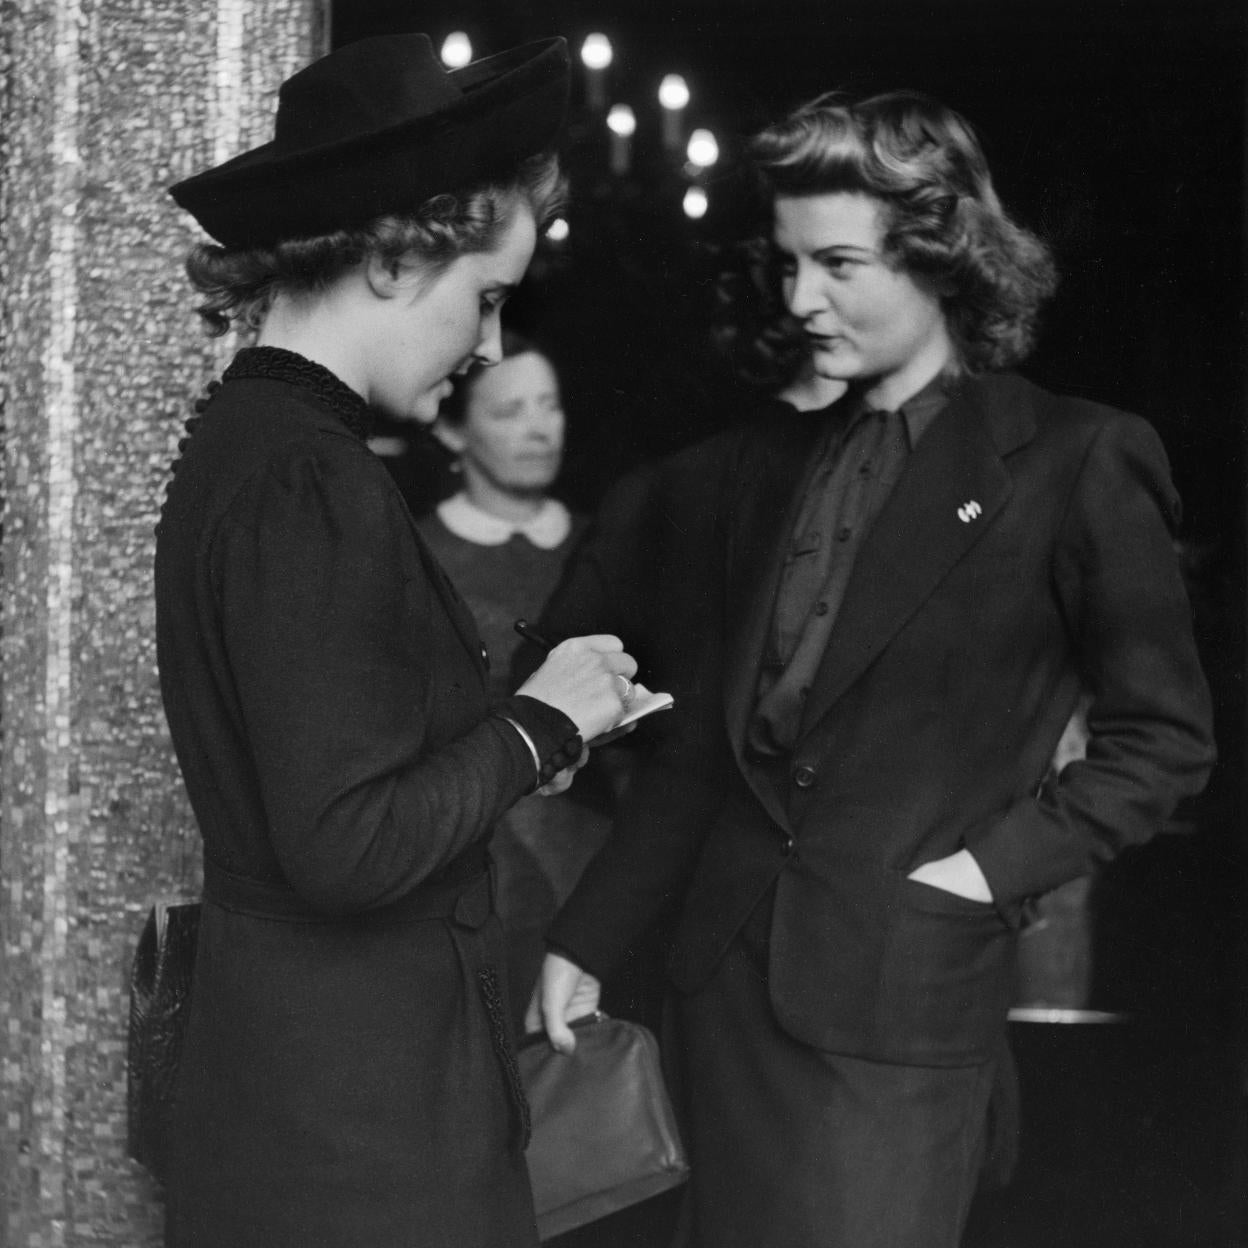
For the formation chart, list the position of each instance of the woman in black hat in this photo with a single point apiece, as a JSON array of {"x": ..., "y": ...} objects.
[{"x": 347, "y": 1077}]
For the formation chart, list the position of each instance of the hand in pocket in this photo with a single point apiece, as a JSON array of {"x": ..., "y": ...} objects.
[{"x": 958, "y": 874}]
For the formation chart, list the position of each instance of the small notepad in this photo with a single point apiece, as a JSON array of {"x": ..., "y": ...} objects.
[{"x": 644, "y": 703}]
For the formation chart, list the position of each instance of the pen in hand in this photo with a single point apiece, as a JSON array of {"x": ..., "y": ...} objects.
[
  {"x": 529, "y": 634},
  {"x": 522, "y": 627},
  {"x": 650, "y": 702}
]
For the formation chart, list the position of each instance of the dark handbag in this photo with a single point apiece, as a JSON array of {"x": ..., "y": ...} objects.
[
  {"x": 160, "y": 992},
  {"x": 604, "y": 1132}
]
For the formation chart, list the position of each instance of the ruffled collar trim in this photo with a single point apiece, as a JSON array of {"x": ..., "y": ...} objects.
[
  {"x": 278, "y": 364},
  {"x": 546, "y": 530}
]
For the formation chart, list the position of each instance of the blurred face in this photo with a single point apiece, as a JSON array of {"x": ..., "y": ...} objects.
[
  {"x": 865, "y": 320},
  {"x": 511, "y": 438},
  {"x": 427, "y": 329}
]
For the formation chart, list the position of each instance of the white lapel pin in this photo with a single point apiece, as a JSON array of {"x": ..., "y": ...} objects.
[{"x": 969, "y": 511}]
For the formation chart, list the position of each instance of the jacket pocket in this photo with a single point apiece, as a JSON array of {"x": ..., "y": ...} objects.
[{"x": 945, "y": 977}]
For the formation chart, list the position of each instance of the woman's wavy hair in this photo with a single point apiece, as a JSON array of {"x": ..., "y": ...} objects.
[
  {"x": 943, "y": 219},
  {"x": 238, "y": 284}
]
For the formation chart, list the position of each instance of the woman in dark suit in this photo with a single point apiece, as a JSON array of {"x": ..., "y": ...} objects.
[
  {"x": 348, "y": 1076},
  {"x": 878, "y": 621}
]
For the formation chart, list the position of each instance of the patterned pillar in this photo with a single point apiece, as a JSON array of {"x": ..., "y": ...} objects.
[{"x": 104, "y": 103}]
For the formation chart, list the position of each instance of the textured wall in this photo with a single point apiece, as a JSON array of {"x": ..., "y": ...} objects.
[{"x": 104, "y": 105}]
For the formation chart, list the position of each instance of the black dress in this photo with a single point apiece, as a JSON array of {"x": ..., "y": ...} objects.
[{"x": 347, "y": 1077}]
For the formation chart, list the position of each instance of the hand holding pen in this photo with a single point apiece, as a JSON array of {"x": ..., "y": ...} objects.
[{"x": 589, "y": 679}]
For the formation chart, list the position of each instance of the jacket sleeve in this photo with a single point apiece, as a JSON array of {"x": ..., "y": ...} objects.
[
  {"x": 1117, "y": 576},
  {"x": 328, "y": 618}
]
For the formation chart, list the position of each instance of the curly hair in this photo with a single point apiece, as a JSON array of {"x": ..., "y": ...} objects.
[
  {"x": 942, "y": 220},
  {"x": 238, "y": 284}
]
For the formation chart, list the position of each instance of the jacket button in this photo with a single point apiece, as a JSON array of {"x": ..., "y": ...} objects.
[
  {"x": 790, "y": 845},
  {"x": 804, "y": 777}
]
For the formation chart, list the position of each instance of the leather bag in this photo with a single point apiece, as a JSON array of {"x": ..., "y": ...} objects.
[
  {"x": 604, "y": 1132},
  {"x": 160, "y": 993}
]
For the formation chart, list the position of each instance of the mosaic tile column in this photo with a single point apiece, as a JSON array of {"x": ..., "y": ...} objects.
[{"x": 104, "y": 104}]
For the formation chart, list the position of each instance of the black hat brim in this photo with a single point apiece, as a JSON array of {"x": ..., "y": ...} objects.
[{"x": 513, "y": 107}]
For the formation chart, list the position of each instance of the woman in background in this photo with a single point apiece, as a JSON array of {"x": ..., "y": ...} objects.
[
  {"x": 504, "y": 541},
  {"x": 347, "y": 1076},
  {"x": 502, "y": 537}
]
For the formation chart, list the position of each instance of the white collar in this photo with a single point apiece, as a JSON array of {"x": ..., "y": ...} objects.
[{"x": 547, "y": 529}]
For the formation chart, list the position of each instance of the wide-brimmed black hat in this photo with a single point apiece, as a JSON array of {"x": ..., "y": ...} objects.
[{"x": 381, "y": 126}]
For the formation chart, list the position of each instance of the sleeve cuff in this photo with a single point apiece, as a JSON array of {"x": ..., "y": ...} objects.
[
  {"x": 564, "y": 952},
  {"x": 551, "y": 736},
  {"x": 528, "y": 740}
]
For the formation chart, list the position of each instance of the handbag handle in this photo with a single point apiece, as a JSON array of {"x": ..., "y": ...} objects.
[{"x": 530, "y": 1038}]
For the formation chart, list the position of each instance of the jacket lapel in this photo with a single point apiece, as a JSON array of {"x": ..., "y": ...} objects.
[{"x": 952, "y": 488}]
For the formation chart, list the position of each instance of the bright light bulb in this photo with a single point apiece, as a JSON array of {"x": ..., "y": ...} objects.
[
  {"x": 558, "y": 230},
  {"x": 703, "y": 150},
  {"x": 596, "y": 51},
  {"x": 696, "y": 203},
  {"x": 456, "y": 50},
  {"x": 673, "y": 92},
  {"x": 622, "y": 120}
]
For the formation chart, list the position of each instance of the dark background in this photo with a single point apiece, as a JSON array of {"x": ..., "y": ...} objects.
[{"x": 1115, "y": 128}]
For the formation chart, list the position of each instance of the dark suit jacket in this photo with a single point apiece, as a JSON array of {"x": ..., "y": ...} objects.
[{"x": 1025, "y": 553}]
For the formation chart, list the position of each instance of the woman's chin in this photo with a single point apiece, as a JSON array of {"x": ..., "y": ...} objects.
[
  {"x": 424, "y": 411},
  {"x": 833, "y": 367}
]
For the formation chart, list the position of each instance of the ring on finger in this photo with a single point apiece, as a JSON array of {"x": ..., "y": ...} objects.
[{"x": 626, "y": 691}]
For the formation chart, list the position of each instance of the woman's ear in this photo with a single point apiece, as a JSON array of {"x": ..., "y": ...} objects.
[
  {"x": 386, "y": 278},
  {"x": 449, "y": 435}
]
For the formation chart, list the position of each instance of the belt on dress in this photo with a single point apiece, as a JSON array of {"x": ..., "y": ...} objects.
[{"x": 467, "y": 897}]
